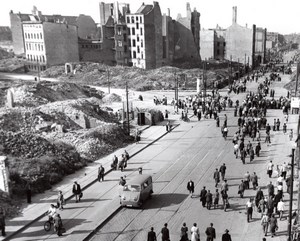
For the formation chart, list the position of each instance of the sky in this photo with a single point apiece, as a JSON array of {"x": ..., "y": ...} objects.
[{"x": 275, "y": 15}]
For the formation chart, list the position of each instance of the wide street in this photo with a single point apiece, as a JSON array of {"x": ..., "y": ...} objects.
[{"x": 191, "y": 151}]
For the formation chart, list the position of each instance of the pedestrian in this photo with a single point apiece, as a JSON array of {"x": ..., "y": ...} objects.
[
  {"x": 277, "y": 125},
  {"x": 209, "y": 199},
  {"x": 259, "y": 195},
  {"x": 280, "y": 208},
  {"x": 257, "y": 149},
  {"x": 254, "y": 180},
  {"x": 226, "y": 236},
  {"x": 2, "y": 221},
  {"x": 268, "y": 139},
  {"x": 210, "y": 233},
  {"x": 101, "y": 172},
  {"x": 216, "y": 177},
  {"x": 243, "y": 155},
  {"x": 151, "y": 235},
  {"x": 60, "y": 200},
  {"x": 236, "y": 150},
  {"x": 283, "y": 170},
  {"x": 77, "y": 191},
  {"x": 270, "y": 167},
  {"x": 270, "y": 188},
  {"x": 288, "y": 182},
  {"x": 218, "y": 121},
  {"x": 28, "y": 192},
  {"x": 291, "y": 134},
  {"x": 224, "y": 186},
  {"x": 190, "y": 187},
  {"x": 251, "y": 154},
  {"x": 166, "y": 114},
  {"x": 225, "y": 132},
  {"x": 184, "y": 233},
  {"x": 241, "y": 188},
  {"x": 165, "y": 235},
  {"x": 203, "y": 196},
  {"x": 265, "y": 223},
  {"x": 122, "y": 181},
  {"x": 249, "y": 208},
  {"x": 284, "y": 127},
  {"x": 273, "y": 225},
  {"x": 195, "y": 234},
  {"x": 247, "y": 180},
  {"x": 225, "y": 200},
  {"x": 216, "y": 199},
  {"x": 223, "y": 171},
  {"x": 114, "y": 164}
]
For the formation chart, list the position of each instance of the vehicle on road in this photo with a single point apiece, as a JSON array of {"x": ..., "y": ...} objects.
[{"x": 136, "y": 191}]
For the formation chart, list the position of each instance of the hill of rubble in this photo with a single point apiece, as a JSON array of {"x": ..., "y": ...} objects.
[
  {"x": 138, "y": 79},
  {"x": 55, "y": 129}
]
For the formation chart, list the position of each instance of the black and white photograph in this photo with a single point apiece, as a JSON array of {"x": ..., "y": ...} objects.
[{"x": 150, "y": 120}]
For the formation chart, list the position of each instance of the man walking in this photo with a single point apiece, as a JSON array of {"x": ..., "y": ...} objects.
[
  {"x": 2, "y": 221},
  {"x": 190, "y": 187},
  {"x": 265, "y": 223},
  {"x": 77, "y": 191},
  {"x": 209, "y": 199},
  {"x": 203, "y": 196},
  {"x": 226, "y": 236},
  {"x": 217, "y": 177},
  {"x": 223, "y": 171},
  {"x": 165, "y": 235},
  {"x": 101, "y": 172},
  {"x": 249, "y": 207},
  {"x": 151, "y": 235},
  {"x": 210, "y": 233},
  {"x": 254, "y": 180}
]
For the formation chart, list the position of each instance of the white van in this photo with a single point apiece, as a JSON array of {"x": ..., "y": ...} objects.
[{"x": 136, "y": 191}]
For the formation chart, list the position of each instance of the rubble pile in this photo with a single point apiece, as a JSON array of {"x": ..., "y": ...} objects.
[
  {"x": 12, "y": 65},
  {"x": 35, "y": 94},
  {"x": 112, "y": 98},
  {"x": 138, "y": 79}
]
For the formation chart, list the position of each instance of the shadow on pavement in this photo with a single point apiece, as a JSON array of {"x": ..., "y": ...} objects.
[{"x": 165, "y": 200}]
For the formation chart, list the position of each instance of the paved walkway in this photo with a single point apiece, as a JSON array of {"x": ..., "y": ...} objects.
[{"x": 85, "y": 177}]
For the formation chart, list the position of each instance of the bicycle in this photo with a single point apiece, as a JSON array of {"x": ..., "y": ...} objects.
[{"x": 48, "y": 224}]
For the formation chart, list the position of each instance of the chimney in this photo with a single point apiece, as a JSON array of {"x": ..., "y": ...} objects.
[
  {"x": 169, "y": 12},
  {"x": 234, "y": 14}
]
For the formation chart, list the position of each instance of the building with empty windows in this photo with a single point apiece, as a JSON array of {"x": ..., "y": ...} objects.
[
  {"x": 145, "y": 37},
  {"x": 212, "y": 43},
  {"x": 48, "y": 44}
]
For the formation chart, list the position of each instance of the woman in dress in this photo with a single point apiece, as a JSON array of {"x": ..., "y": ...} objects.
[
  {"x": 195, "y": 233},
  {"x": 184, "y": 233}
]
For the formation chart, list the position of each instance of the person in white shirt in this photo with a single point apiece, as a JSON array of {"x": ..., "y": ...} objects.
[
  {"x": 51, "y": 212},
  {"x": 280, "y": 180},
  {"x": 249, "y": 207},
  {"x": 283, "y": 170},
  {"x": 270, "y": 169},
  {"x": 280, "y": 208}
]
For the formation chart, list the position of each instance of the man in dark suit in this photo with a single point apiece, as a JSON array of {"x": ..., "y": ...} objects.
[
  {"x": 165, "y": 235},
  {"x": 210, "y": 233},
  {"x": 151, "y": 235},
  {"x": 190, "y": 186},
  {"x": 203, "y": 196},
  {"x": 77, "y": 191}
]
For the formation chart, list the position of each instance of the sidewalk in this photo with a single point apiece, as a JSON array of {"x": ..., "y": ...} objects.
[{"x": 86, "y": 177}]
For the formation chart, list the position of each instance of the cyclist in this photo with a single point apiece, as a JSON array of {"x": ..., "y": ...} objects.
[{"x": 51, "y": 212}]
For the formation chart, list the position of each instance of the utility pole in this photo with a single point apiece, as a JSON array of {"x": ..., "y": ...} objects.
[
  {"x": 230, "y": 68},
  {"x": 108, "y": 81},
  {"x": 297, "y": 75},
  {"x": 176, "y": 90},
  {"x": 204, "y": 79},
  {"x": 127, "y": 112},
  {"x": 291, "y": 197},
  {"x": 38, "y": 65},
  {"x": 248, "y": 66}
]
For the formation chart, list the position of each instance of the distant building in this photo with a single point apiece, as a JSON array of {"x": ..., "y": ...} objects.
[
  {"x": 260, "y": 46},
  {"x": 191, "y": 22},
  {"x": 212, "y": 43},
  {"x": 274, "y": 40},
  {"x": 86, "y": 27},
  {"x": 48, "y": 44},
  {"x": 145, "y": 37}
]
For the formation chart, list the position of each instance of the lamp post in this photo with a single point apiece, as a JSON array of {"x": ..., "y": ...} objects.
[
  {"x": 176, "y": 90},
  {"x": 204, "y": 80}
]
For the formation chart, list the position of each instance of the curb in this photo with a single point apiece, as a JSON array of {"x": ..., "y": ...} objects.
[{"x": 7, "y": 238}]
